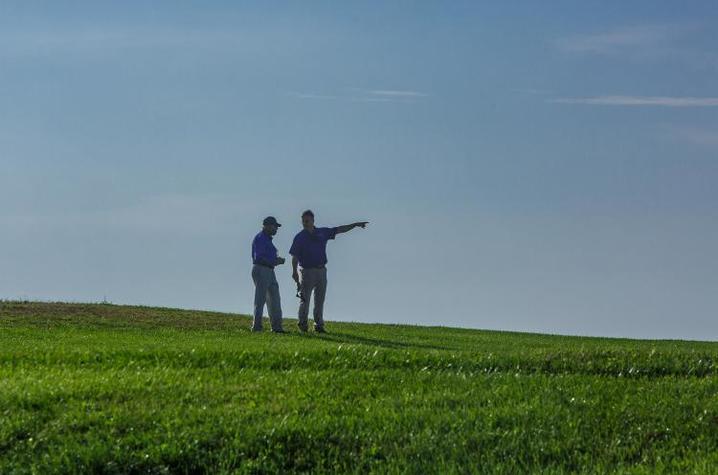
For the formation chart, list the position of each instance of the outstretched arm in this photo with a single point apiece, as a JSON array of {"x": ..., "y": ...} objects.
[{"x": 349, "y": 227}]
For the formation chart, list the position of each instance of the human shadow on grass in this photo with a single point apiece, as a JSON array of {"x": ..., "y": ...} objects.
[{"x": 356, "y": 339}]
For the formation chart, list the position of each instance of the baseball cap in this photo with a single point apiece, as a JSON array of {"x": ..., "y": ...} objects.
[{"x": 270, "y": 220}]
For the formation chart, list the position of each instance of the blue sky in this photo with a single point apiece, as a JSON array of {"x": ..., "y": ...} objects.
[{"x": 524, "y": 166}]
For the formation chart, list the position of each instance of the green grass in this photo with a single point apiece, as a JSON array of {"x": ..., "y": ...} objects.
[{"x": 115, "y": 389}]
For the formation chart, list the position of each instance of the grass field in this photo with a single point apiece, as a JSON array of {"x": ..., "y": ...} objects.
[{"x": 115, "y": 389}]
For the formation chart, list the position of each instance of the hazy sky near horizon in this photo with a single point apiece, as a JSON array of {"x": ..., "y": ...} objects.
[{"x": 525, "y": 166}]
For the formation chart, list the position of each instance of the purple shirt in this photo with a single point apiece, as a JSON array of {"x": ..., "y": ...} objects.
[
  {"x": 263, "y": 250},
  {"x": 310, "y": 249}
]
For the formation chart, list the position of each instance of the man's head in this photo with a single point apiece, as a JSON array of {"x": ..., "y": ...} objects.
[
  {"x": 308, "y": 220},
  {"x": 270, "y": 225}
]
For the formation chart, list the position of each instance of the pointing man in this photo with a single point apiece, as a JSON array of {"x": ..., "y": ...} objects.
[
  {"x": 266, "y": 287},
  {"x": 309, "y": 250}
]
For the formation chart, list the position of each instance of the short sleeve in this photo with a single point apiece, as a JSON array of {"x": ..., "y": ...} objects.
[
  {"x": 331, "y": 233},
  {"x": 295, "y": 250}
]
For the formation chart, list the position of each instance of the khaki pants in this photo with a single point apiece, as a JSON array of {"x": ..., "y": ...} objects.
[
  {"x": 266, "y": 289},
  {"x": 312, "y": 280}
]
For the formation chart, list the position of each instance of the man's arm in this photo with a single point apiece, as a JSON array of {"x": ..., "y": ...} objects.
[
  {"x": 349, "y": 227},
  {"x": 294, "y": 251},
  {"x": 295, "y": 274},
  {"x": 264, "y": 254}
]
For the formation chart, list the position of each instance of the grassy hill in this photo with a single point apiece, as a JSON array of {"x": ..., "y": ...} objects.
[{"x": 117, "y": 389}]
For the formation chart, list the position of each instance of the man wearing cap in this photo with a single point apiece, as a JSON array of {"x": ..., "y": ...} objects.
[
  {"x": 309, "y": 251},
  {"x": 266, "y": 287}
]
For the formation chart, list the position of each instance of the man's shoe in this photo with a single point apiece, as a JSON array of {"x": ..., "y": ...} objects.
[
  {"x": 320, "y": 330},
  {"x": 256, "y": 330},
  {"x": 278, "y": 331},
  {"x": 302, "y": 329}
]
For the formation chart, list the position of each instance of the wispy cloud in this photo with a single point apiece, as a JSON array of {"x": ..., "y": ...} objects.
[
  {"x": 366, "y": 95},
  {"x": 655, "y": 101},
  {"x": 672, "y": 43},
  {"x": 310, "y": 95},
  {"x": 618, "y": 40},
  {"x": 395, "y": 93},
  {"x": 700, "y": 136}
]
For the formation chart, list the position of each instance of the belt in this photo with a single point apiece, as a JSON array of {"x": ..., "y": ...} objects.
[
  {"x": 263, "y": 265},
  {"x": 314, "y": 268}
]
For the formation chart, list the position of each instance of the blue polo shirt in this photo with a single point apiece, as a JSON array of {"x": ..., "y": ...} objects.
[
  {"x": 310, "y": 249},
  {"x": 263, "y": 250}
]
